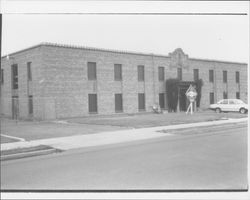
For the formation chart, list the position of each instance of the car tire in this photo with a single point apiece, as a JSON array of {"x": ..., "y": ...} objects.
[
  {"x": 242, "y": 110},
  {"x": 217, "y": 110}
]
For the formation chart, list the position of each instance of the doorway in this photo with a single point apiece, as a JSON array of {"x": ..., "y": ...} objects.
[{"x": 183, "y": 102}]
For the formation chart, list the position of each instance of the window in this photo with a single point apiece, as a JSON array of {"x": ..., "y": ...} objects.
[
  {"x": 211, "y": 76},
  {"x": 225, "y": 101},
  {"x": 92, "y": 103},
  {"x": 237, "y": 77},
  {"x": 141, "y": 101},
  {"x": 91, "y": 71},
  {"x": 140, "y": 70},
  {"x": 179, "y": 73},
  {"x": 211, "y": 97},
  {"x": 118, "y": 103},
  {"x": 161, "y": 73},
  {"x": 29, "y": 71},
  {"x": 196, "y": 74},
  {"x": 30, "y": 104},
  {"x": 14, "y": 74},
  {"x": 224, "y": 95},
  {"x": 237, "y": 95},
  {"x": 118, "y": 72},
  {"x": 161, "y": 100},
  {"x": 231, "y": 101},
  {"x": 224, "y": 76},
  {"x": 2, "y": 81}
]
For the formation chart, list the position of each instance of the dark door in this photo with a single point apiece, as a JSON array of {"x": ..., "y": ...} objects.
[
  {"x": 162, "y": 100},
  {"x": 183, "y": 100}
]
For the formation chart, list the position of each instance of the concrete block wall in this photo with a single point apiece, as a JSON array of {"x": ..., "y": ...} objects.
[
  {"x": 60, "y": 84},
  {"x": 25, "y": 87}
]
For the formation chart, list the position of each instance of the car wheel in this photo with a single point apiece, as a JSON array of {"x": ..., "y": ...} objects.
[
  {"x": 242, "y": 110},
  {"x": 217, "y": 110}
]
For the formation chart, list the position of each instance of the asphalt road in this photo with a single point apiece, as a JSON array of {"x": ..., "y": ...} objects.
[{"x": 209, "y": 160}]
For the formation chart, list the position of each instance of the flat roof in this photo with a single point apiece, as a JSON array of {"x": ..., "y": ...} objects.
[{"x": 111, "y": 51}]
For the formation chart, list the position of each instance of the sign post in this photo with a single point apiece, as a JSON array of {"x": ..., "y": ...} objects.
[{"x": 191, "y": 95}]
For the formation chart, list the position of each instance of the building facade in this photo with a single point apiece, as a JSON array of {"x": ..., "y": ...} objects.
[{"x": 52, "y": 81}]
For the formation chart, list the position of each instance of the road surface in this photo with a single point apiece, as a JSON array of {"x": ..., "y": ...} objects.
[{"x": 207, "y": 160}]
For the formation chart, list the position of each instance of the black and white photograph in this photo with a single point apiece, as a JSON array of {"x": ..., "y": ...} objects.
[{"x": 126, "y": 96}]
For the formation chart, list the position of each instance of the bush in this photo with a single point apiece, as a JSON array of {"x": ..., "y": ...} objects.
[{"x": 172, "y": 86}]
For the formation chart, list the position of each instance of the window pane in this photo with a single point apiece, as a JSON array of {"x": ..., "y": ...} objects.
[
  {"x": 179, "y": 73},
  {"x": 211, "y": 76},
  {"x": 224, "y": 95},
  {"x": 237, "y": 77},
  {"x": 141, "y": 101},
  {"x": 14, "y": 74},
  {"x": 118, "y": 72},
  {"x": 211, "y": 97},
  {"x": 118, "y": 103},
  {"x": 2, "y": 77},
  {"x": 237, "y": 95},
  {"x": 140, "y": 70},
  {"x": 29, "y": 71},
  {"x": 196, "y": 74},
  {"x": 224, "y": 76},
  {"x": 161, "y": 73},
  {"x": 91, "y": 71},
  {"x": 30, "y": 104},
  {"x": 93, "y": 103}
]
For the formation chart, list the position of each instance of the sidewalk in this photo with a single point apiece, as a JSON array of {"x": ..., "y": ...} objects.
[{"x": 114, "y": 137}]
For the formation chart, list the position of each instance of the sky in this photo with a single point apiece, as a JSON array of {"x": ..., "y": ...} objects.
[{"x": 219, "y": 37}]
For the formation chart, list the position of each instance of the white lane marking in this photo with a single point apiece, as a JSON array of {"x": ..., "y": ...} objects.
[{"x": 13, "y": 137}]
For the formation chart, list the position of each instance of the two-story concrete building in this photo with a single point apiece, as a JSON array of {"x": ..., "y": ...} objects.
[{"x": 50, "y": 81}]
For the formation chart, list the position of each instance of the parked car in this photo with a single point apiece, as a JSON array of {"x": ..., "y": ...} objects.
[{"x": 227, "y": 105}]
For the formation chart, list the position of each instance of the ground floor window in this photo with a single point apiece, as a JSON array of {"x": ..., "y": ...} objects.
[
  {"x": 237, "y": 95},
  {"x": 118, "y": 103},
  {"x": 30, "y": 104},
  {"x": 141, "y": 101},
  {"x": 92, "y": 103},
  {"x": 162, "y": 100},
  {"x": 211, "y": 97},
  {"x": 225, "y": 95}
]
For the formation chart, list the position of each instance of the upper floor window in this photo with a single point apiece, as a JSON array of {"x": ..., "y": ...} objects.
[
  {"x": 237, "y": 77},
  {"x": 140, "y": 69},
  {"x": 161, "y": 75},
  {"x": 29, "y": 71},
  {"x": 118, "y": 72},
  {"x": 211, "y": 76},
  {"x": 196, "y": 74},
  {"x": 179, "y": 73},
  {"x": 91, "y": 71},
  {"x": 224, "y": 76},
  {"x": 14, "y": 75}
]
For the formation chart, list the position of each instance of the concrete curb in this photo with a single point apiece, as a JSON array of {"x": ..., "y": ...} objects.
[
  {"x": 27, "y": 154},
  {"x": 105, "y": 138}
]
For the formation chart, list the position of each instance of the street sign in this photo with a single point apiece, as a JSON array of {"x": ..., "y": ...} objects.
[{"x": 191, "y": 93}]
